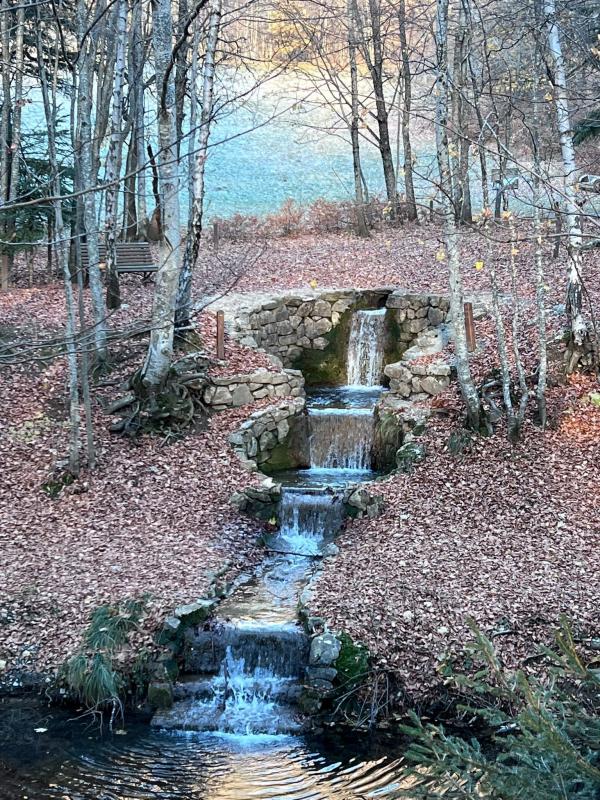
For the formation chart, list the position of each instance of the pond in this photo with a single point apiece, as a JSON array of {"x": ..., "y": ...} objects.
[{"x": 73, "y": 760}]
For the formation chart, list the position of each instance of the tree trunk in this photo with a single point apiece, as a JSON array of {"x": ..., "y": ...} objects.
[
  {"x": 181, "y": 71},
  {"x": 6, "y": 21},
  {"x": 158, "y": 359},
  {"x": 113, "y": 162},
  {"x": 375, "y": 66},
  {"x": 361, "y": 221},
  {"x": 467, "y": 387},
  {"x": 138, "y": 131},
  {"x": 411, "y": 203},
  {"x": 577, "y": 323},
  {"x": 15, "y": 166},
  {"x": 84, "y": 147},
  {"x": 62, "y": 257},
  {"x": 184, "y": 292},
  {"x": 540, "y": 279}
]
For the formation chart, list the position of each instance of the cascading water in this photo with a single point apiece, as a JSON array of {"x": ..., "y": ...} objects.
[
  {"x": 366, "y": 348},
  {"x": 341, "y": 438},
  {"x": 306, "y": 519},
  {"x": 248, "y": 670},
  {"x": 246, "y": 673}
]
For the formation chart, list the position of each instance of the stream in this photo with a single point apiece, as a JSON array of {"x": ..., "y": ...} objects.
[{"x": 234, "y": 731}]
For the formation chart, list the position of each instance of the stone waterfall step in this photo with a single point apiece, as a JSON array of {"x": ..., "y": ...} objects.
[
  {"x": 246, "y": 681},
  {"x": 281, "y": 649},
  {"x": 341, "y": 438},
  {"x": 366, "y": 348}
]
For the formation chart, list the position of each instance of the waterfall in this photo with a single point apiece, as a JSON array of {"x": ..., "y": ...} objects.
[
  {"x": 365, "y": 348},
  {"x": 243, "y": 698},
  {"x": 341, "y": 438},
  {"x": 249, "y": 667},
  {"x": 305, "y": 519}
]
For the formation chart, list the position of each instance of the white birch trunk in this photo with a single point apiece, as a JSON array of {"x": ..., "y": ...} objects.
[
  {"x": 184, "y": 294},
  {"x": 577, "y": 323},
  {"x": 158, "y": 359},
  {"x": 5, "y": 33},
  {"x": 137, "y": 61},
  {"x": 62, "y": 259},
  {"x": 85, "y": 154},
  {"x": 113, "y": 161},
  {"x": 467, "y": 387}
]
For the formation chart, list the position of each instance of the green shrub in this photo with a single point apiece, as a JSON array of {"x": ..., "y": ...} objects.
[{"x": 544, "y": 732}]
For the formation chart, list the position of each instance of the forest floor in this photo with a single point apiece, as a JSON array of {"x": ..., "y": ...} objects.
[{"x": 506, "y": 534}]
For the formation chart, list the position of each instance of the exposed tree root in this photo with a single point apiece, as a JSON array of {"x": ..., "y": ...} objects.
[{"x": 177, "y": 406}]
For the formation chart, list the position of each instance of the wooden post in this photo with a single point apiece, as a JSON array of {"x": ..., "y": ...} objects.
[
  {"x": 220, "y": 335},
  {"x": 216, "y": 236},
  {"x": 4, "y": 270},
  {"x": 557, "y": 229},
  {"x": 470, "y": 328},
  {"x": 431, "y": 211}
]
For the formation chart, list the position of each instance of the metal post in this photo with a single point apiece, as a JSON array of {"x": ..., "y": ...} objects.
[
  {"x": 220, "y": 335},
  {"x": 470, "y": 328}
]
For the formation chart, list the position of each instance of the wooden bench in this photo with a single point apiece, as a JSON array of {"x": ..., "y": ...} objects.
[{"x": 131, "y": 258}]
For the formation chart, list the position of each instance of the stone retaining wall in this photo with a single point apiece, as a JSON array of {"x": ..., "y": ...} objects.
[
  {"x": 232, "y": 391},
  {"x": 418, "y": 381},
  {"x": 416, "y": 313},
  {"x": 287, "y": 326},
  {"x": 291, "y": 327},
  {"x": 265, "y": 431}
]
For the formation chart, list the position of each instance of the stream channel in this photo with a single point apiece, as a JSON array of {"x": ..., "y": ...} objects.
[{"x": 234, "y": 732}]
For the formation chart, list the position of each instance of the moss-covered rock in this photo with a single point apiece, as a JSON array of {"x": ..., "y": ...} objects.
[
  {"x": 352, "y": 663},
  {"x": 408, "y": 455},
  {"x": 387, "y": 439},
  {"x": 327, "y": 367},
  {"x": 160, "y": 695}
]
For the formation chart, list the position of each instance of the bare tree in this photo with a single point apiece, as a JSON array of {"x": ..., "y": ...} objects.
[
  {"x": 577, "y": 323},
  {"x": 468, "y": 389},
  {"x": 160, "y": 349},
  {"x": 411, "y": 204},
  {"x": 84, "y": 146},
  {"x": 113, "y": 160},
  {"x": 194, "y": 236},
  {"x": 361, "y": 220}
]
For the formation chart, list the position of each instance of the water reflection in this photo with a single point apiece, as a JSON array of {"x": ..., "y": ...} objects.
[{"x": 73, "y": 762}]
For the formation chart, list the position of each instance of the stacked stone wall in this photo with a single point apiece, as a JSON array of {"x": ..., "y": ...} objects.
[{"x": 233, "y": 391}]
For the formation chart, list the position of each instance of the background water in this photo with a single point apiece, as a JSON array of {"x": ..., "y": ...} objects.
[{"x": 281, "y": 141}]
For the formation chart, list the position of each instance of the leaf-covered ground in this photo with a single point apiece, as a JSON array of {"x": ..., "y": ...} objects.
[{"x": 508, "y": 534}]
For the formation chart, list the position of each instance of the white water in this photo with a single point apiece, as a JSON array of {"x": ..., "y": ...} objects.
[
  {"x": 366, "y": 348},
  {"x": 237, "y": 701},
  {"x": 250, "y": 669},
  {"x": 341, "y": 438},
  {"x": 305, "y": 519}
]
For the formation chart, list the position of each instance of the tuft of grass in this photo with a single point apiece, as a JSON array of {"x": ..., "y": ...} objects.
[{"x": 92, "y": 674}]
